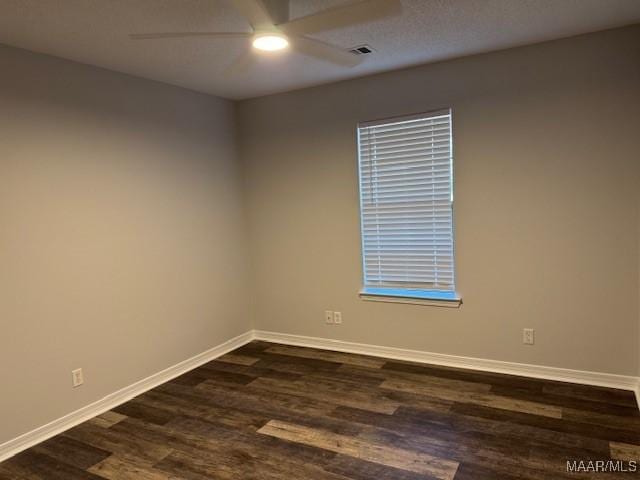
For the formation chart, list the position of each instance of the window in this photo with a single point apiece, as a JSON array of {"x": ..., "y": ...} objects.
[{"x": 406, "y": 208}]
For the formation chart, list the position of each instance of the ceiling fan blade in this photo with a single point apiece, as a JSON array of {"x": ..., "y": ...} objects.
[
  {"x": 339, "y": 17},
  {"x": 278, "y": 10},
  {"x": 240, "y": 65},
  {"x": 324, "y": 51},
  {"x": 153, "y": 36},
  {"x": 256, "y": 12}
]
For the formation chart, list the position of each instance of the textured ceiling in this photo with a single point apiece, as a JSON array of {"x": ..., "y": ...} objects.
[{"x": 96, "y": 32}]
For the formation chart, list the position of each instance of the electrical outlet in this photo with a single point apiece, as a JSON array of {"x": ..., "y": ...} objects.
[
  {"x": 528, "y": 336},
  {"x": 337, "y": 318},
  {"x": 328, "y": 317},
  {"x": 77, "y": 377}
]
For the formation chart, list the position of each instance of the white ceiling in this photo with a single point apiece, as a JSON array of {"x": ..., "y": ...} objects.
[{"x": 96, "y": 32}]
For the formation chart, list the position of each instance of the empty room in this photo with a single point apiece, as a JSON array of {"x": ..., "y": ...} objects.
[{"x": 319, "y": 239}]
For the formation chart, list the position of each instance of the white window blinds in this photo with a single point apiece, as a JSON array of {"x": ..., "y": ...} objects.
[{"x": 406, "y": 202}]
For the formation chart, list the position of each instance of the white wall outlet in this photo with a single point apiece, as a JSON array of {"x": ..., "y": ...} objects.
[
  {"x": 328, "y": 317},
  {"x": 337, "y": 318},
  {"x": 528, "y": 336},
  {"x": 77, "y": 377}
]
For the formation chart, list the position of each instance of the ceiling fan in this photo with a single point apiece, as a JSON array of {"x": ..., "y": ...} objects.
[{"x": 273, "y": 30}]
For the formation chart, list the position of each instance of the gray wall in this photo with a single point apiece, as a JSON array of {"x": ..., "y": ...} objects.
[
  {"x": 121, "y": 233},
  {"x": 546, "y": 142}
]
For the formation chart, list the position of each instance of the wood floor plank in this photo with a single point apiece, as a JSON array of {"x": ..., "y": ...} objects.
[
  {"x": 119, "y": 441},
  {"x": 631, "y": 423},
  {"x": 557, "y": 425},
  {"x": 32, "y": 465},
  {"x": 253, "y": 348},
  {"x": 107, "y": 419},
  {"x": 122, "y": 468},
  {"x": 275, "y": 412},
  {"x": 238, "y": 465},
  {"x": 625, "y": 451},
  {"x": 455, "y": 427},
  {"x": 193, "y": 406},
  {"x": 359, "y": 469},
  {"x": 374, "y": 377},
  {"x": 327, "y": 355},
  {"x": 203, "y": 374},
  {"x": 254, "y": 370},
  {"x": 531, "y": 384},
  {"x": 229, "y": 450},
  {"x": 154, "y": 414},
  {"x": 285, "y": 365},
  {"x": 253, "y": 445},
  {"x": 250, "y": 409},
  {"x": 484, "y": 399},
  {"x": 415, "y": 400},
  {"x": 354, "y": 447},
  {"x": 567, "y": 402},
  {"x": 604, "y": 395},
  {"x": 468, "y": 471},
  {"x": 72, "y": 452},
  {"x": 478, "y": 447},
  {"x": 264, "y": 400},
  {"x": 12, "y": 470},
  {"x": 292, "y": 364},
  {"x": 334, "y": 393},
  {"x": 8, "y": 476},
  {"x": 238, "y": 359}
]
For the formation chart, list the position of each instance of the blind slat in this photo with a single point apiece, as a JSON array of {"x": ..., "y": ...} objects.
[
  {"x": 412, "y": 145},
  {"x": 422, "y": 129},
  {"x": 427, "y": 159},
  {"x": 442, "y": 150},
  {"x": 411, "y": 142}
]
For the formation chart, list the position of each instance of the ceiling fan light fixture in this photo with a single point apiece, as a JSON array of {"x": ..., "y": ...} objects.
[{"x": 270, "y": 42}]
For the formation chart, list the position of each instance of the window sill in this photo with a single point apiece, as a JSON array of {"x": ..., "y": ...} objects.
[{"x": 432, "y": 298}]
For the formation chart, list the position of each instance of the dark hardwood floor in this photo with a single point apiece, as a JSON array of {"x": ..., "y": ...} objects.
[{"x": 270, "y": 412}]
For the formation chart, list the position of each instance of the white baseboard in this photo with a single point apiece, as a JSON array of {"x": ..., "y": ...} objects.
[
  {"x": 40, "y": 434},
  {"x": 533, "y": 371}
]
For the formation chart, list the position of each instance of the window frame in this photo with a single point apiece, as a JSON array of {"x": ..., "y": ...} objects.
[{"x": 414, "y": 296}]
